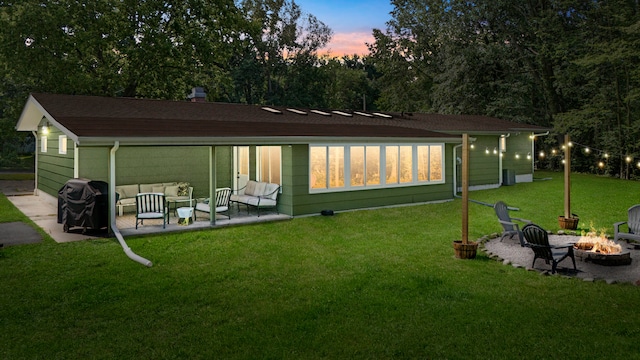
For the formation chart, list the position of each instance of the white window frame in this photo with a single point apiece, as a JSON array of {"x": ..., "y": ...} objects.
[
  {"x": 62, "y": 144},
  {"x": 382, "y": 166},
  {"x": 43, "y": 144}
]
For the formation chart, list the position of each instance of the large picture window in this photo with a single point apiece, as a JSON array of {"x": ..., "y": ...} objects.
[{"x": 353, "y": 167}]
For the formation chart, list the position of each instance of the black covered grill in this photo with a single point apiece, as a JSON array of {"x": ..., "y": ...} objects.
[{"x": 83, "y": 203}]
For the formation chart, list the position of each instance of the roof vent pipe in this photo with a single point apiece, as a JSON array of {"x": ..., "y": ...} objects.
[{"x": 197, "y": 95}]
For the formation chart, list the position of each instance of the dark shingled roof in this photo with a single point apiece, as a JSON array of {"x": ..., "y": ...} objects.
[{"x": 92, "y": 116}]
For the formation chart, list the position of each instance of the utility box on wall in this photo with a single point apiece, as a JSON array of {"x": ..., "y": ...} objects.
[{"x": 508, "y": 177}]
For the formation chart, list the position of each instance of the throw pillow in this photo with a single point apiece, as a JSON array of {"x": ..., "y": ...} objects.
[
  {"x": 183, "y": 189},
  {"x": 171, "y": 190}
]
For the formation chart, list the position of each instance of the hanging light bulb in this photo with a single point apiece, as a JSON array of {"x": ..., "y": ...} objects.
[
  {"x": 606, "y": 156},
  {"x": 486, "y": 150},
  {"x": 528, "y": 156},
  {"x": 587, "y": 150},
  {"x": 517, "y": 156},
  {"x": 472, "y": 146},
  {"x": 628, "y": 159},
  {"x": 495, "y": 151},
  {"x": 541, "y": 154},
  {"x": 570, "y": 144},
  {"x": 601, "y": 164},
  {"x": 553, "y": 151}
]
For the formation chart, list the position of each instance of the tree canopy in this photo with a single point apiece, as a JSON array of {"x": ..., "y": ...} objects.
[{"x": 570, "y": 65}]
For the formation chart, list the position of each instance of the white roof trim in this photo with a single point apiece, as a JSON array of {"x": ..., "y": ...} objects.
[{"x": 33, "y": 113}]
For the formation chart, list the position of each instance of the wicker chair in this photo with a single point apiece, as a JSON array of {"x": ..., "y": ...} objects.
[{"x": 538, "y": 240}]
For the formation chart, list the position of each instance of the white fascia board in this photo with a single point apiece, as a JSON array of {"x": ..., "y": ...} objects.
[
  {"x": 208, "y": 141},
  {"x": 33, "y": 113}
]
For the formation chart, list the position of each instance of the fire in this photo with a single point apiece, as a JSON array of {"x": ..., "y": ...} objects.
[{"x": 593, "y": 242}]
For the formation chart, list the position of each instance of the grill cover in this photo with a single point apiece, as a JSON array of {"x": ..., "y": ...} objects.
[{"x": 84, "y": 203}]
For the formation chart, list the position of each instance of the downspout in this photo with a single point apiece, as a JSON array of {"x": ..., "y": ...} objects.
[
  {"x": 533, "y": 148},
  {"x": 112, "y": 209},
  {"x": 500, "y": 155},
  {"x": 455, "y": 171},
  {"x": 35, "y": 183}
]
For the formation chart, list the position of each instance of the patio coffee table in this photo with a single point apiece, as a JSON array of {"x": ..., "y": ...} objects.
[{"x": 185, "y": 215}]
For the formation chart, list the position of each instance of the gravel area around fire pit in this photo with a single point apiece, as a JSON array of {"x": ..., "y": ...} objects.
[{"x": 511, "y": 253}]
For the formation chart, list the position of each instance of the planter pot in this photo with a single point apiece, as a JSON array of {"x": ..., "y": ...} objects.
[
  {"x": 465, "y": 251},
  {"x": 570, "y": 223}
]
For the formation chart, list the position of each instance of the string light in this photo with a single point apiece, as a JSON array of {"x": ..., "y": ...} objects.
[
  {"x": 495, "y": 151},
  {"x": 541, "y": 154},
  {"x": 529, "y": 156},
  {"x": 517, "y": 156},
  {"x": 486, "y": 150}
]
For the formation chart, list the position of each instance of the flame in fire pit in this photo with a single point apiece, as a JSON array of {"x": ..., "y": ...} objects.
[{"x": 593, "y": 242}]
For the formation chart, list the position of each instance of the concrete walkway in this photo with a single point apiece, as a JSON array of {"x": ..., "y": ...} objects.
[
  {"x": 42, "y": 210},
  {"x": 511, "y": 253}
]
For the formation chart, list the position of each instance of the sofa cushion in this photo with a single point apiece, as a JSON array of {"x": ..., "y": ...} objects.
[
  {"x": 157, "y": 189},
  {"x": 147, "y": 188},
  {"x": 127, "y": 191},
  {"x": 258, "y": 189},
  {"x": 270, "y": 191},
  {"x": 250, "y": 188},
  {"x": 171, "y": 190},
  {"x": 127, "y": 201}
]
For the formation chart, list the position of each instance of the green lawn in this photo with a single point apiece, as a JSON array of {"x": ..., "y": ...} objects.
[{"x": 367, "y": 284}]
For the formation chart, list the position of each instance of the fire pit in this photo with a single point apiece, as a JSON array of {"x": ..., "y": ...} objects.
[{"x": 598, "y": 249}]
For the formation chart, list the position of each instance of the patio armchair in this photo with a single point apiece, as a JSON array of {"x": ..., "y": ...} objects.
[
  {"x": 509, "y": 227},
  {"x": 221, "y": 205},
  {"x": 538, "y": 240},
  {"x": 151, "y": 206},
  {"x": 633, "y": 226}
]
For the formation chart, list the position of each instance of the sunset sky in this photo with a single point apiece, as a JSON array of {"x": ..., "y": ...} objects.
[{"x": 352, "y": 22}]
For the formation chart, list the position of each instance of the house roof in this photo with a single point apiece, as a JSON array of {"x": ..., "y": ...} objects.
[{"x": 95, "y": 120}]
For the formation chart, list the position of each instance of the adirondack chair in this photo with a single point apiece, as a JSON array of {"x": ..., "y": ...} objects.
[
  {"x": 221, "y": 205},
  {"x": 633, "y": 225},
  {"x": 538, "y": 240},
  {"x": 509, "y": 227},
  {"x": 151, "y": 206}
]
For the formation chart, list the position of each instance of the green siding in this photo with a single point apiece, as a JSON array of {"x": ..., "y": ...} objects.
[
  {"x": 483, "y": 167},
  {"x": 155, "y": 164},
  {"x": 520, "y": 144},
  {"x": 140, "y": 165},
  {"x": 54, "y": 169},
  {"x": 93, "y": 163}
]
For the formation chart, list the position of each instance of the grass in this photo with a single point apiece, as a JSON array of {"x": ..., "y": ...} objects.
[{"x": 367, "y": 284}]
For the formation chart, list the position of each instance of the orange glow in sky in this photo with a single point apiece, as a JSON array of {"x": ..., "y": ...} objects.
[{"x": 348, "y": 44}]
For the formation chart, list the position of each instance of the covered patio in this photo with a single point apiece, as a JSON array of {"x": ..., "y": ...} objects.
[{"x": 127, "y": 222}]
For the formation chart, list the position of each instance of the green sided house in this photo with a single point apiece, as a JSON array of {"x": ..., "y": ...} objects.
[{"x": 322, "y": 159}]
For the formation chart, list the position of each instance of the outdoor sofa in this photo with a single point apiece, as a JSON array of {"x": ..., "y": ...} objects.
[
  {"x": 257, "y": 194},
  {"x": 174, "y": 192}
]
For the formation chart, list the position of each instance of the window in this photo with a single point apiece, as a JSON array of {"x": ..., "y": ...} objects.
[
  {"x": 430, "y": 163},
  {"x": 62, "y": 144},
  {"x": 269, "y": 169},
  {"x": 353, "y": 167},
  {"x": 43, "y": 144}
]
